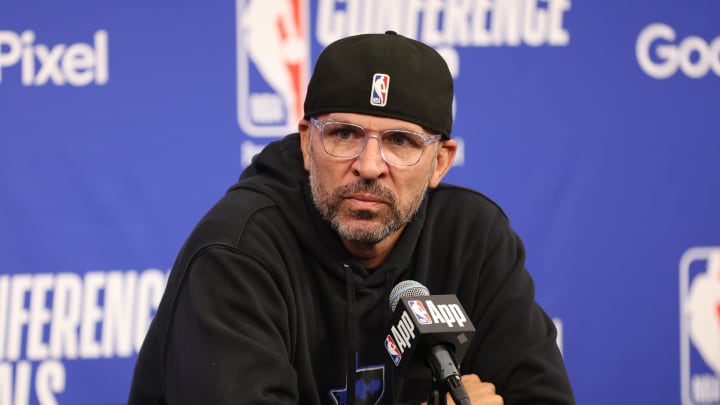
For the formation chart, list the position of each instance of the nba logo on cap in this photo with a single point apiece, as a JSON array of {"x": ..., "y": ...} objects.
[
  {"x": 700, "y": 326},
  {"x": 392, "y": 350},
  {"x": 420, "y": 313},
  {"x": 273, "y": 58},
  {"x": 379, "y": 91}
]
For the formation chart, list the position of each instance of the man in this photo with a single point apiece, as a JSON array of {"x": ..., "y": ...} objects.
[{"x": 279, "y": 295}]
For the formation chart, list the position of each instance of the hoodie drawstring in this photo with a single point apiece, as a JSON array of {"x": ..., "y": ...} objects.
[
  {"x": 387, "y": 288},
  {"x": 352, "y": 328},
  {"x": 352, "y": 333}
]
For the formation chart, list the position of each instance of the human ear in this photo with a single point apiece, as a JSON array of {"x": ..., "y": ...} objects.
[
  {"x": 443, "y": 161},
  {"x": 304, "y": 130}
]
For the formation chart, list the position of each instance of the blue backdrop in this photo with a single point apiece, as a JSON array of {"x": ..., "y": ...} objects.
[{"x": 595, "y": 125}]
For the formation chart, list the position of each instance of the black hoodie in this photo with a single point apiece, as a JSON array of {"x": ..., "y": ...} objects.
[{"x": 264, "y": 305}]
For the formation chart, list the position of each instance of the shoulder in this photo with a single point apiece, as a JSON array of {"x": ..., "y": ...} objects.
[
  {"x": 457, "y": 201},
  {"x": 243, "y": 237},
  {"x": 468, "y": 215},
  {"x": 242, "y": 220}
]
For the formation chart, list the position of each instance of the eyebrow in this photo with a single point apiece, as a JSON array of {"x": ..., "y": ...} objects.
[{"x": 401, "y": 126}]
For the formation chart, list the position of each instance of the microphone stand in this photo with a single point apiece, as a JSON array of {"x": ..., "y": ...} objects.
[
  {"x": 437, "y": 395},
  {"x": 446, "y": 378}
]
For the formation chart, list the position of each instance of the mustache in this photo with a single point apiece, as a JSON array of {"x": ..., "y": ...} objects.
[{"x": 370, "y": 187}]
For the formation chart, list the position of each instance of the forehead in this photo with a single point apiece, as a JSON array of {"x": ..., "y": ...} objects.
[{"x": 372, "y": 122}]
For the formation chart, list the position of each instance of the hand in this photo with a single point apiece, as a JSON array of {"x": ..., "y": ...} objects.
[{"x": 480, "y": 393}]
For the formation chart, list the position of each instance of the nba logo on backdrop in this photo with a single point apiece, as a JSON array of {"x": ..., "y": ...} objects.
[
  {"x": 273, "y": 52},
  {"x": 700, "y": 326}
]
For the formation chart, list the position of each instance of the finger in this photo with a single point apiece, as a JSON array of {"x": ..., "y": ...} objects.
[{"x": 480, "y": 393}]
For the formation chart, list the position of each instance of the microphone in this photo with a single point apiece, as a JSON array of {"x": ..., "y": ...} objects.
[{"x": 429, "y": 331}]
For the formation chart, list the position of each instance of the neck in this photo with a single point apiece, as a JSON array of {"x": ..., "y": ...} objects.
[{"x": 372, "y": 255}]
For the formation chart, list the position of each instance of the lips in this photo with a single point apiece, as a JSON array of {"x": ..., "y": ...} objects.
[
  {"x": 364, "y": 201},
  {"x": 367, "y": 198},
  {"x": 366, "y": 195}
]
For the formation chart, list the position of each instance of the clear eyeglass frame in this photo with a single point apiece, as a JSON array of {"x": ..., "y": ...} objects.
[{"x": 406, "y": 147}]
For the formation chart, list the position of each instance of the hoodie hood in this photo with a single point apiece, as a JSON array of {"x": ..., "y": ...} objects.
[{"x": 278, "y": 172}]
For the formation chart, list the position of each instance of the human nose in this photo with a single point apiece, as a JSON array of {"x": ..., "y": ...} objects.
[{"x": 370, "y": 163}]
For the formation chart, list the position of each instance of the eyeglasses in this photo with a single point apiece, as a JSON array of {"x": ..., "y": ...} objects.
[{"x": 398, "y": 147}]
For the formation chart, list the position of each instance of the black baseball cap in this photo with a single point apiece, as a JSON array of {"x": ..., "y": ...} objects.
[{"x": 387, "y": 75}]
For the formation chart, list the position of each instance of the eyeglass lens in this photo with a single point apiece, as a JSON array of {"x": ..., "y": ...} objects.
[{"x": 348, "y": 140}]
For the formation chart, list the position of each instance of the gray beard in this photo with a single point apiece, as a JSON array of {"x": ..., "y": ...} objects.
[
  {"x": 329, "y": 207},
  {"x": 328, "y": 203}
]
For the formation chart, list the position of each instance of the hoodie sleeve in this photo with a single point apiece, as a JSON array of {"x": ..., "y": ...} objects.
[
  {"x": 230, "y": 338},
  {"x": 515, "y": 344}
]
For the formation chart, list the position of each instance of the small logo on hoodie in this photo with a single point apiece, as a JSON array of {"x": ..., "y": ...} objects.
[{"x": 379, "y": 91}]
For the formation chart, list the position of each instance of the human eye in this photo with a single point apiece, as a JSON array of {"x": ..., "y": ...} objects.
[
  {"x": 340, "y": 132},
  {"x": 403, "y": 139}
]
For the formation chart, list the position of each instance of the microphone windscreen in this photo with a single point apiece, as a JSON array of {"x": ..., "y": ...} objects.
[{"x": 406, "y": 288}]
